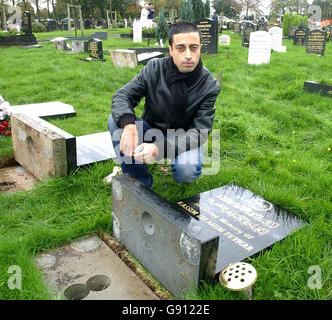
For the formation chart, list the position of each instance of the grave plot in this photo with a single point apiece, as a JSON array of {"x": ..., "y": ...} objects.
[
  {"x": 87, "y": 269},
  {"x": 46, "y": 150},
  {"x": 194, "y": 239}
]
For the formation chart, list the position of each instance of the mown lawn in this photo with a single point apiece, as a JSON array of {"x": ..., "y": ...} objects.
[{"x": 276, "y": 141}]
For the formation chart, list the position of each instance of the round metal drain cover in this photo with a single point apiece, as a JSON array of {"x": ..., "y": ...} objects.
[
  {"x": 98, "y": 283},
  {"x": 76, "y": 292}
]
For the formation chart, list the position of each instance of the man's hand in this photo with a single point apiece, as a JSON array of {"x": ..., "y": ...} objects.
[
  {"x": 129, "y": 139},
  {"x": 147, "y": 154}
]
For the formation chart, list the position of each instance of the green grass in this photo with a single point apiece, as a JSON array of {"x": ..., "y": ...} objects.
[{"x": 266, "y": 121}]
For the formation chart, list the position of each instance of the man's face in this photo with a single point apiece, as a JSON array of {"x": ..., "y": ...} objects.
[{"x": 186, "y": 51}]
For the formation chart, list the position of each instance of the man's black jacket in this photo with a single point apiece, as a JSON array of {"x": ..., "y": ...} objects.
[{"x": 151, "y": 83}]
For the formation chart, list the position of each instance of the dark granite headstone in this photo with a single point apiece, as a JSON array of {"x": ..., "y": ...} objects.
[
  {"x": 316, "y": 42},
  {"x": 230, "y": 25},
  {"x": 87, "y": 24},
  {"x": 314, "y": 87},
  {"x": 209, "y": 30},
  {"x": 26, "y": 23},
  {"x": 248, "y": 28},
  {"x": 237, "y": 28},
  {"x": 245, "y": 223},
  {"x": 101, "y": 35},
  {"x": 172, "y": 246},
  {"x": 194, "y": 239},
  {"x": 95, "y": 49},
  {"x": 300, "y": 37},
  {"x": 291, "y": 32}
]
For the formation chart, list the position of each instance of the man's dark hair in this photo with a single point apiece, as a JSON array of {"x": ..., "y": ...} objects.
[{"x": 182, "y": 27}]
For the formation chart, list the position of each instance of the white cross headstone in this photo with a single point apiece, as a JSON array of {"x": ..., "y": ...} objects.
[
  {"x": 259, "y": 47},
  {"x": 276, "y": 36},
  {"x": 126, "y": 23},
  {"x": 137, "y": 33},
  {"x": 224, "y": 40}
]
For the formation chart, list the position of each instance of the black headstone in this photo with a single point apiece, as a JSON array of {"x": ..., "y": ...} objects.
[
  {"x": 321, "y": 88},
  {"x": 248, "y": 28},
  {"x": 87, "y": 24},
  {"x": 26, "y": 23},
  {"x": 209, "y": 30},
  {"x": 245, "y": 223},
  {"x": 300, "y": 37},
  {"x": 237, "y": 28},
  {"x": 291, "y": 32},
  {"x": 316, "y": 42},
  {"x": 95, "y": 48}
]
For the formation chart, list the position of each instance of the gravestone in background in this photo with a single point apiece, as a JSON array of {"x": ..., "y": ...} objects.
[
  {"x": 300, "y": 37},
  {"x": 209, "y": 30},
  {"x": 248, "y": 28},
  {"x": 316, "y": 42},
  {"x": 276, "y": 37},
  {"x": 291, "y": 32},
  {"x": 77, "y": 46},
  {"x": 259, "y": 47},
  {"x": 194, "y": 239},
  {"x": 101, "y": 35},
  {"x": 230, "y": 25},
  {"x": 60, "y": 45},
  {"x": 261, "y": 27},
  {"x": 137, "y": 32},
  {"x": 26, "y": 23},
  {"x": 95, "y": 49},
  {"x": 224, "y": 40},
  {"x": 237, "y": 28},
  {"x": 87, "y": 24}
]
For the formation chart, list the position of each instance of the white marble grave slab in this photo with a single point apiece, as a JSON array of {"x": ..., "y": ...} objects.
[
  {"x": 146, "y": 56},
  {"x": 94, "y": 148}
]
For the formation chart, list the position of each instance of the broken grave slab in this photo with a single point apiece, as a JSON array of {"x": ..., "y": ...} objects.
[
  {"x": 172, "y": 246},
  {"x": 194, "y": 239},
  {"x": 124, "y": 58},
  {"x": 94, "y": 147},
  {"x": 88, "y": 269},
  {"x": 37, "y": 144},
  {"x": 42, "y": 148},
  {"x": 45, "y": 110}
]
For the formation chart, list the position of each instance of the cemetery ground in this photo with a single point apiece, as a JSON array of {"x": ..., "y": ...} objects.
[{"x": 276, "y": 141}]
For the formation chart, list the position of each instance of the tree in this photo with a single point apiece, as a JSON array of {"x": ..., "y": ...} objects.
[
  {"x": 162, "y": 28},
  {"x": 207, "y": 9},
  {"x": 186, "y": 11},
  {"x": 198, "y": 8},
  {"x": 253, "y": 5},
  {"x": 230, "y": 8}
]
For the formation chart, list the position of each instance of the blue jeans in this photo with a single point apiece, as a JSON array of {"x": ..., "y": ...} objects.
[{"x": 186, "y": 167}]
